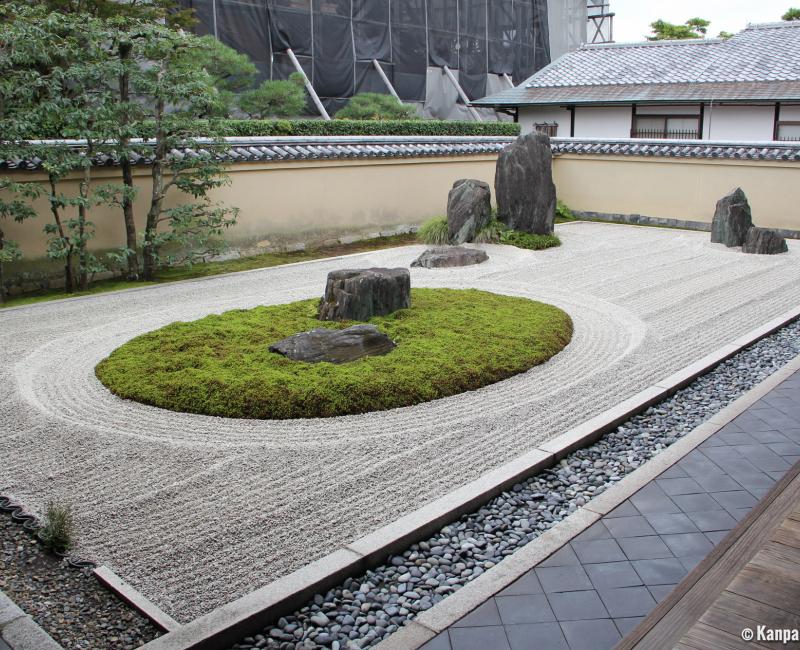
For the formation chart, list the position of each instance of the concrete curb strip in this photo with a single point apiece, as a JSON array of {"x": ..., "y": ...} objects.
[
  {"x": 20, "y": 631},
  {"x": 229, "y": 623},
  {"x": 124, "y": 591}
]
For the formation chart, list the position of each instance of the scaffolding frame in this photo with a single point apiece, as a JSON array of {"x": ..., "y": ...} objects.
[{"x": 601, "y": 22}]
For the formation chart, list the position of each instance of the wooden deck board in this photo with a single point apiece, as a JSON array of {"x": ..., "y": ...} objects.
[{"x": 751, "y": 577}]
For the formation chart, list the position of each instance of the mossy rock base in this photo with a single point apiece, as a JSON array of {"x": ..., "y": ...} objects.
[{"x": 449, "y": 342}]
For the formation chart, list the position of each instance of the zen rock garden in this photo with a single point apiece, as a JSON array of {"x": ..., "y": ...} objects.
[
  {"x": 351, "y": 295},
  {"x": 733, "y": 226},
  {"x": 526, "y": 202}
]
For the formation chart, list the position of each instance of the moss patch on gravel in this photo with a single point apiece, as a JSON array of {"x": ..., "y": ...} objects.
[{"x": 449, "y": 342}]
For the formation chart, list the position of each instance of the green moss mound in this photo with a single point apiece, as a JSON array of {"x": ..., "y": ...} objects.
[{"x": 450, "y": 341}]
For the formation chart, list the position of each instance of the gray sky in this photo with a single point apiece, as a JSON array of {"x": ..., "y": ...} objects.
[{"x": 634, "y": 16}]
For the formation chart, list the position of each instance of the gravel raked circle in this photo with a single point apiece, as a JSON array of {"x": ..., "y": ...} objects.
[
  {"x": 364, "y": 610},
  {"x": 68, "y": 603},
  {"x": 195, "y": 511}
]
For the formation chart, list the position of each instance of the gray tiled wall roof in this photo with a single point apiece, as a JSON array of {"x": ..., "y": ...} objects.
[{"x": 286, "y": 149}]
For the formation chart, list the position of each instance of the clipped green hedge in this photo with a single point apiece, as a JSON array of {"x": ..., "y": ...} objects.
[{"x": 252, "y": 128}]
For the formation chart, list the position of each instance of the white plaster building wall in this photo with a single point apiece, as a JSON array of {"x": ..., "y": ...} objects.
[
  {"x": 603, "y": 122},
  {"x": 528, "y": 117},
  {"x": 790, "y": 113},
  {"x": 739, "y": 123}
]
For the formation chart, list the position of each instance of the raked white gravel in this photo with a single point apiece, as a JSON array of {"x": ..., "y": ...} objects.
[{"x": 196, "y": 511}]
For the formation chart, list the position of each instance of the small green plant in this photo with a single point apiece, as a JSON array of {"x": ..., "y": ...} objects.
[
  {"x": 491, "y": 233},
  {"x": 58, "y": 529},
  {"x": 434, "y": 232},
  {"x": 375, "y": 106},
  {"x": 563, "y": 212},
  {"x": 529, "y": 241}
]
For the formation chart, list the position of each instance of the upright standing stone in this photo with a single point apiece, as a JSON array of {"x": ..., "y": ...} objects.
[
  {"x": 524, "y": 189},
  {"x": 469, "y": 209},
  {"x": 763, "y": 241},
  {"x": 732, "y": 219},
  {"x": 360, "y": 294}
]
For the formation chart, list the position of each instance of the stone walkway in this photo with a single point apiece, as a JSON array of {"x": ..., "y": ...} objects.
[{"x": 594, "y": 590}]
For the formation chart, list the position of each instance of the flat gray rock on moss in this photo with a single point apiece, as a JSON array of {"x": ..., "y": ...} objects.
[
  {"x": 449, "y": 257},
  {"x": 469, "y": 209},
  {"x": 763, "y": 241},
  {"x": 335, "y": 346},
  {"x": 524, "y": 189},
  {"x": 360, "y": 294},
  {"x": 732, "y": 219}
]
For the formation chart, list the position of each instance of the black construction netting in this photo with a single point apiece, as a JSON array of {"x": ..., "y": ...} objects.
[{"x": 337, "y": 41}]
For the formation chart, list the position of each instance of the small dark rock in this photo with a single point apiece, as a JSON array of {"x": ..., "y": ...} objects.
[
  {"x": 524, "y": 189},
  {"x": 335, "y": 346},
  {"x": 469, "y": 209},
  {"x": 450, "y": 256},
  {"x": 763, "y": 241},
  {"x": 732, "y": 219},
  {"x": 360, "y": 294}
]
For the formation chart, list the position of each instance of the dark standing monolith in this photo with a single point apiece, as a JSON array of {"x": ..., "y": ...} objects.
[
  {"x": 732, "y": 219},
  {"x": 469, "y": 209},
  {"x": 360, "y": 294},
  {"x": 524, "y": 189}
]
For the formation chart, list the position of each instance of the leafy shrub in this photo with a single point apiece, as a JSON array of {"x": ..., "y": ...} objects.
[
  {"x": 563, "y": 212},
  {"x": 491, "y": 233},
  {"x": 529, "y": 241},
  {"x": 275, "y": 98},
  {"x": 58, "y": 529},
  {"x": 434, "y": 232},
  {"x": 375, "y": 106}
]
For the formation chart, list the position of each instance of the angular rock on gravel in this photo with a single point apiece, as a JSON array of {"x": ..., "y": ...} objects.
[
  {"x": 449, "y": 257},
  {"x": 524, "y": 189},
  {"x": 335, "y": 346},
  {"x": 732, "y": 219},
  {"x": 763, "y": 241},
  {"x": 469, "y": 209},
  {"x": 360, "y": 294}
]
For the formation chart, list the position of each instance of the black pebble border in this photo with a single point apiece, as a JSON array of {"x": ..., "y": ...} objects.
[{"x": 364, "y": 610}]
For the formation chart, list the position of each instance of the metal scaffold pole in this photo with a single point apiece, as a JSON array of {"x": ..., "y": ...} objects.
[
  {"x": 309, "y": 87},
  {"x": 462, "y": 94}
]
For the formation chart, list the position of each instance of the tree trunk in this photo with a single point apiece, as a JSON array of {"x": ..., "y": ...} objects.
[
  {"x": 83, "y": 272},
  {"x": 69, "y": 279},
  {"x": 149, "y": 251},
  {"x": 127, "y": 170},
  {"x": 2, "y": 276}
]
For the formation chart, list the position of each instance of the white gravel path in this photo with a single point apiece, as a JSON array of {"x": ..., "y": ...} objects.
[{"x": 195, "y": 511}]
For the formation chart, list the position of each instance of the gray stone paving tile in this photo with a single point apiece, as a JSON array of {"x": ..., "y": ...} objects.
[
  {"x": 627, "y": 625},
  {"x": 770, "y": 463},
  {"x": 612, "y": 575},
  {"x": 439, "y": 642},
  {"x": 784, "y": 449},
  {"x": 627, "y": 601},
  {"x": 716, "y": 536},
  {"x": 591, "y": 635},
  {"x": 563, "y": 578},
  {"x": 752, "y": 481},
  {"x": 482, "y": 616},
  {"x": 718, "y": 483},
  {"x": 624, "y": 509},
  {"x": 792, "y": 434},
  {"x": 577, "y": 605},
  {"x": 686, "y": 544},
  {"x": 661, "y": 571},
  {"x": 538, "y": 636},
  {"x": 629, "y": 527},
  {"x": 734, "y": 500},
  {"x": 775, "y": 419},
  {"x": 598, "y": 551},
  {"x": 516, "y": 610},
  {"x": 700, "y": 467},
  {"x": 673, "y": 486},
  {"x": 722, "y": 454},
  {"x": 750, "y": 422},
  {"x": 755, "y": 451},
  {"x": 777, "y": 475},
  {"x": 651, "y": 499},
  {"x": 691, "y": 561},
  {"x": 562, "y": 557},
  {"x": 524, "y": 586},
  {"x": 742, "y": 437},
  {"x": 675, "y": 472},
  {"x": 479, "y": 638},
  {"x": 596, "y": 531},
  {"x": 759, "y": 493},
  {"x": 645, "y": 548},
  {"x": 695, "y": 502},
  {"x": 770, "y": 437},
  {"x": 738, "y": 513},
  {"x": 715, "y": 520},
  {"x": 660, "y": 592},
  {"x": 670, "y": 523}
]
